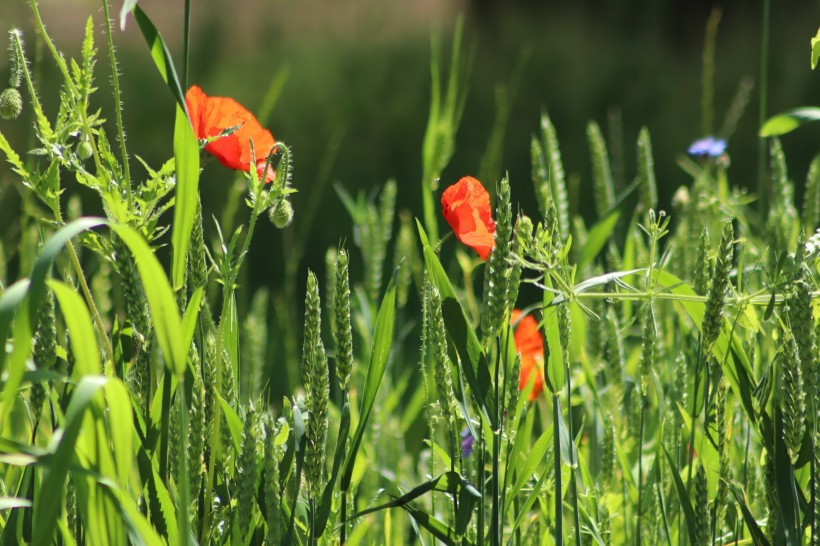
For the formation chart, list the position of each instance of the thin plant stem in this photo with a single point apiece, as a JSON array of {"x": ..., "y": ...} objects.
[
  {"x": 556, "y": 450},
  {"x": 186, "y": 41},
  {"x": 495, "y": 527},
  {"x": 115, "y": 81},
  {"x": 573, "y": 486},
  {"x": 640, "y": 475}
]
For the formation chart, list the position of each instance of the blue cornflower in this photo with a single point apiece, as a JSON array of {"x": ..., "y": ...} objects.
[
  {"x": 466, "y": 442},
  {"x": 707, "y": 147}
]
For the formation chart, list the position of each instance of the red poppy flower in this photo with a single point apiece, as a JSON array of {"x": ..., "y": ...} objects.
[
  {"x": 466, "y": 207},
  {"x": 212, "y": 115},
  {"x": 530, "y": 347}
]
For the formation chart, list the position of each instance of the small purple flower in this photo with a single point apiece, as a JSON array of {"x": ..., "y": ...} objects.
[
  {"x": 707, "y": 147},
  {"x": 466, "y": 443}
]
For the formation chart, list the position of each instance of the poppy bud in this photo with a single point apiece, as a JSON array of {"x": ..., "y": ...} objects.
[
  {"x": 84, "y": 149},
  {"x": 281, "y": 213},
  {"x": 11, "y": 103}
]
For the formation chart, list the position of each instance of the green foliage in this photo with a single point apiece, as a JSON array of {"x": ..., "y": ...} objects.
[{"x": 680, "y": 400}]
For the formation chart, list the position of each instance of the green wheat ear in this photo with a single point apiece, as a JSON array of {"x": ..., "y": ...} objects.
[
  {"x": 45, "y": 351},
  {"x": 603, "y": 186},
  {"x": 196, "y": 432},
  {"x": 548, "y": 175},
  {"x": 718, "y": 290},
  {"x": 273, "y": 489},
  {"x": 442, "y": 373},
  {"x": 646, "y": 172},
  {"x": 246, "y": 469},
  {"x": 342, "y": 330},
  {"x": 608, "y": 455},
  {"x": 793, "y": 402},
  {"x": 703, "y": 526},
  {"x": 722, "y": 496},
  {"x": 703, "y": 265},
  {"x": 497, "y": 272},
  {"x": 317, "y": 390},
  {"x": 649, "y": 338}
]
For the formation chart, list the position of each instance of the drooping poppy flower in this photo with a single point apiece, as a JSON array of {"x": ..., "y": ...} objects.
[
  {"x": 530, "y": 347},
  {"x": 212, "y": 115},
  {"x": 466, "y": 207}
]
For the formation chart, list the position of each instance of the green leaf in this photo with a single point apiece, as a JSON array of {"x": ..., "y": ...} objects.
[
  {"x": 758, "y": 536},
  {"x": 379, "y": 352},
  {"x": 597, "y": 238},
  {"x": 161, "y": 302},
  {"x": 8, "y": 503},
  {"x": 815, "y": 49},
  {"x": 162, "y": 57},
  {"x": 47, "y": 508},
  {"x": 78, "y": 321},
  {"x": 186, "y": 161},
  {"x": 555, "y": 356},
  {"x": 189, "y": 319},
  {"x": 683, "y": 497},
  {"x": 234, "y": 424},
  {"x": 789, "y": 121},
  {"x": 127, "y": 6}
]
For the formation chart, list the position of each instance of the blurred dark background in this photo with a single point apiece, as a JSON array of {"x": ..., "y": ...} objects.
[{"x": 356, "y": 73}]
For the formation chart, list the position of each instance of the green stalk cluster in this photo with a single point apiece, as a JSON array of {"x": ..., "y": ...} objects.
[
  {"x": 603, "y": 186},
  {"x": 136, "y": 310},
  {"x": 197, "y": 276},
  {"x": 703, "y": 526},
  {"x": 722, "y": 496},
  {"x": 317, "y": 390},
  {"x": 331, "y": 257},
  {"x": 45, "y": 350},
  {"x": 608, "y": 455},
  {"x": 196, "y": 432},
  {"x": 718, "y": 290},
  {"x": 615, "y": 355},
  {"x": 649, "y": 339},
  {"x": 273, "y": 489},
  {"x": 513, "y": 390},
  {"x": 548, "y": 175},
  {"x": 646, "y": 172},
  {"x": 405, "y": 249},
  {"x": 442, "y": 372},
  {"x": 793, "y": 401},
  {"x": 514, "y": 280},
  {"x": 373, "y": 231},
  {"x": 342, "y": 330},
  {"x": 246, "y": 468},
  {"x": 254, "y": 345},
  {"x": 497, "y": 272}
]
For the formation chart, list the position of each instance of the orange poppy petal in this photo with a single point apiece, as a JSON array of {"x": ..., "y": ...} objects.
[
  {"x": 530, "y": 345},
  {"x": 212, "y": 115},
  {"x": 466, "y": 207}
]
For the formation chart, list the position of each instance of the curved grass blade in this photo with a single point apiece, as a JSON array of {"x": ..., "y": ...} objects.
[
  {"x": 758, "y": 536},
  {"x": 379, "y": 353},
  {"x": 186, "y": 161},
  {"x": 683, "y": 497},
  {"x": 161, "y": 55},
  {"x": 788, "y": 121},
  {"x": 48, "y": 507},
  {"x": 161, "y": 301},
  {"x": 598, "y": 236},
  {"x": 78, "y": 321}
]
